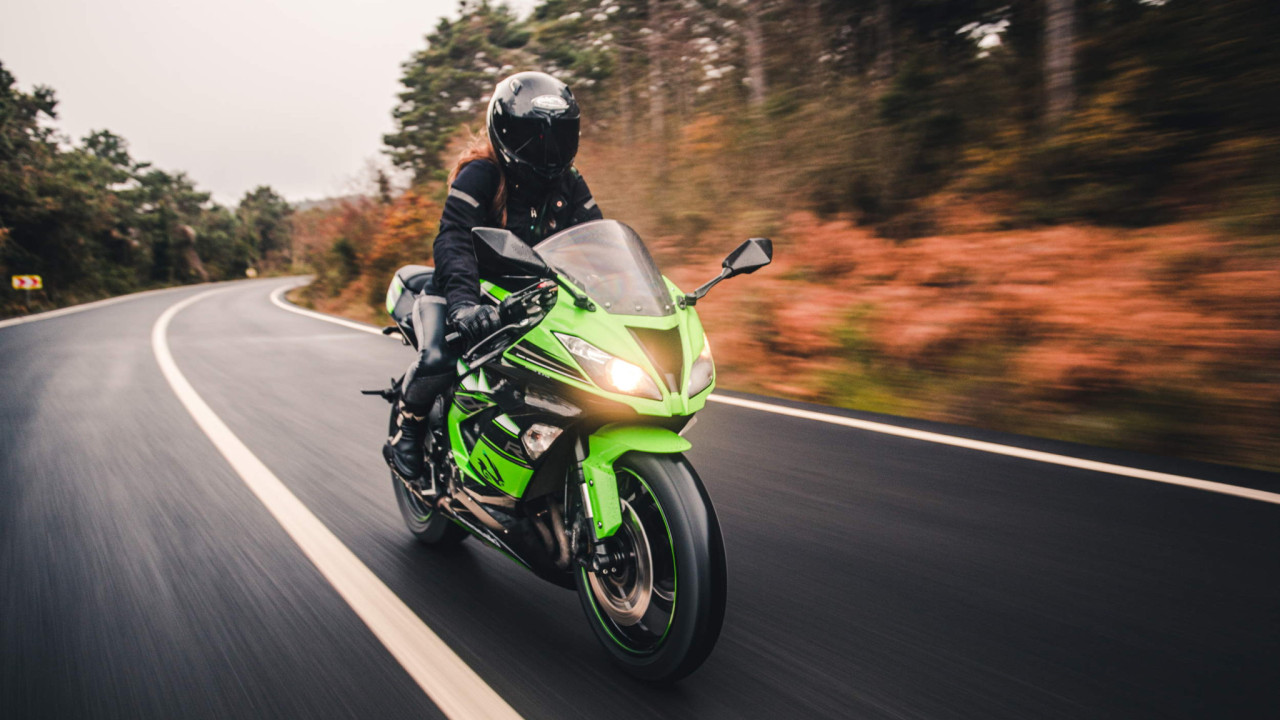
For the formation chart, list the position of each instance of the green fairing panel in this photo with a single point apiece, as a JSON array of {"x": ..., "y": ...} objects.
[
  {"x": 393, "y": 293},
  {"x": 494, "y": 291},
  {"x": 611, "y": 333},
  {"x": 604, "y": 448},
  {"x": 498, "y": 469},
  {"x": 460, "y": 454}
]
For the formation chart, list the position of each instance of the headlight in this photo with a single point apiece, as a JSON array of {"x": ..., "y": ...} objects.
[
  {"x": 703, "y": 370},
  {"x": 609, "y": 372}
]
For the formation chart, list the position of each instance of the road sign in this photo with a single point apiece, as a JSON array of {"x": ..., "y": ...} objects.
[{"x": 27, "y": 282}]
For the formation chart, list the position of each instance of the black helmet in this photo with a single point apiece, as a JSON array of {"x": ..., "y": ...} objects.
[{"x": 533, "y": 126}]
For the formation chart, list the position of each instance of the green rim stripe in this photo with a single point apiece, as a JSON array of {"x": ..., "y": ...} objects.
[{"x": 675, "y": 580}]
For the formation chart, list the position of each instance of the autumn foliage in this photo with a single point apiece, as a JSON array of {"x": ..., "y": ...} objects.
[
  {"x": 1163, "y": 339},
  {"x": 1075, "y": 241},
  {"x": 356, "y": 244}
]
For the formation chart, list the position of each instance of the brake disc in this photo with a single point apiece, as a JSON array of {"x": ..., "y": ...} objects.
[{"x": 624, "y": 592}]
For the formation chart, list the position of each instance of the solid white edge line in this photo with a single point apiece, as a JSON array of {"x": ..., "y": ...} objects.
[
  {"x": 922, "y": 435},
  {"x": 1008, "y": 450},
  {"x": 277, "y": 299},
  {"x": 450, "y": 683},
  {"x": 72, "y": 309}
]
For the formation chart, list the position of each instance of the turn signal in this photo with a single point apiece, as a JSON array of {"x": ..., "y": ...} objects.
[
  {"x": 538, "y": 438},
  {"x": 703, "y": 370}
]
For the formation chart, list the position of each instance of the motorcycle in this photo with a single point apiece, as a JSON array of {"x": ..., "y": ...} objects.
[{"x": 560, "y": 443}]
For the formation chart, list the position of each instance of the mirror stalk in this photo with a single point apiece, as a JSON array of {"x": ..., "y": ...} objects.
[
  {"x": 749, "y": 257},
  {"x": 693, "y": 297},
  {"x": 580, "y": 300}
]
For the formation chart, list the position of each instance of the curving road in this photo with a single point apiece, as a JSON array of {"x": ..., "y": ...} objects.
[{"x": 871, "y": 575}]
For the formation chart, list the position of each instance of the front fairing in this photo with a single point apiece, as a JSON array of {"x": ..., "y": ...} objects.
[
  {"x": 540, "y": 351},
  {"x": 638, "y": 317}
]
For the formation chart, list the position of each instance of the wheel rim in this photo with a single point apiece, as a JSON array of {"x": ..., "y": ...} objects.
[
  {"x": 624, "y": 593},
  {"x": 636, "y": 604}
]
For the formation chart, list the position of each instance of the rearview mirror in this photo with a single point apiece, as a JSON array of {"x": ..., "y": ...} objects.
[
  {"x": 511, "y": 250},
  {"x": 749, "y": 257}
]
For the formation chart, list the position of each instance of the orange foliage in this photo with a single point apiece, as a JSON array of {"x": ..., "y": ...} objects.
[
  {"x": 381, "y": 238},
  {"x": 1037, "y": 328},
  {"x": 1163, "y": 339}
]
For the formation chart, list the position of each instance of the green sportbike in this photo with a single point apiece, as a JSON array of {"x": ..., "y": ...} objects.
[{"x": 560, "y": 442}]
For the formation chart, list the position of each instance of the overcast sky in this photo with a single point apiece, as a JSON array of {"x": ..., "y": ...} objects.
[{"x": 295, "y": 94}]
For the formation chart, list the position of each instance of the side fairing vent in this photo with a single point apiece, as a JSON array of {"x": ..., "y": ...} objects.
[{"x": 663, "y": 349}]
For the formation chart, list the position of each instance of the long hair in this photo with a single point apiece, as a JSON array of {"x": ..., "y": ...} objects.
[{"x": 480, "y": 149}]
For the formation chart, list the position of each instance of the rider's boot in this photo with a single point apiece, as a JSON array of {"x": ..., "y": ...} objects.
[{"x": 403, "y": 451}]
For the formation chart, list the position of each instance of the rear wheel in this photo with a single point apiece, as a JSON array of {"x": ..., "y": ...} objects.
[
  {"x": 659, "y": 614},
  {"x": 426, "y": 523}
]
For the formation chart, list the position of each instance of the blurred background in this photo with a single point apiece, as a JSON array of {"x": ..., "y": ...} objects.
[{"x": 1049, "y": 217}]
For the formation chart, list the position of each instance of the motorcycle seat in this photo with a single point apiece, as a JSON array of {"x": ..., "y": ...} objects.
[{"x": 415, "y": 277}]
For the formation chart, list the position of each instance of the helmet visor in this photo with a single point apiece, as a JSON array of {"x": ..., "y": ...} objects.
[{"x": 548, "y": 145}]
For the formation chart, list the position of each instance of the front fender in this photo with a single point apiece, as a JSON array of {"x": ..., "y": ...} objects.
[{"x": 604, "y": 447}]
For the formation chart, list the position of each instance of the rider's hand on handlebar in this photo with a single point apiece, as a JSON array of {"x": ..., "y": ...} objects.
[
  {"x": 475, "y": 322},
  {"x": 513, "y": 308}
]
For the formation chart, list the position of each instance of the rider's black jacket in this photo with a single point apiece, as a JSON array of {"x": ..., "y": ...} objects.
[{"x": 531, "y": 215}]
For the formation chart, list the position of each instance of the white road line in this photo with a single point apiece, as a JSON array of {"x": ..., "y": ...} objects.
[
  {"x": 979, "y": 445},
  {"x": 453, "y": 686},
  {"x": 1008, "y": 450},
  {"x": 51, "y": 314},
  {"x": 277, "y": 299}
]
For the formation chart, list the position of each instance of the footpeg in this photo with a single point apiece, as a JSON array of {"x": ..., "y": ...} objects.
[
  {"x": 395, "y": 330},
  {"x": 390, "y": 394}
]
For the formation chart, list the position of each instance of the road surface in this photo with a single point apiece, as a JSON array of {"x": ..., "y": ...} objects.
[{"x": 871, "y": 576}]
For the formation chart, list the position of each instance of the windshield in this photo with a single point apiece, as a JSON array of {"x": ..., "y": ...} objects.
[{"x": 609, "y": 262}]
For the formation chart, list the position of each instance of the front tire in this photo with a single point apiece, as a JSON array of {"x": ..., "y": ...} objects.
[{"x": 660, "y": 615}]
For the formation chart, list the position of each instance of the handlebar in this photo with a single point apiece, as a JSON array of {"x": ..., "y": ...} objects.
[{"x": 513, "y": 311}]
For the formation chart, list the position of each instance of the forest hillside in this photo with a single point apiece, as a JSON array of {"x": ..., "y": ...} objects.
[
  {"x": 1052, "y": 217},
  {"x": 93, "y": 221}
]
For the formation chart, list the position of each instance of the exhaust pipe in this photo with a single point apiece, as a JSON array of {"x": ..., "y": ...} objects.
[
  {"x": 480, "y": 514},
  {"x": 557, "y": 526}
]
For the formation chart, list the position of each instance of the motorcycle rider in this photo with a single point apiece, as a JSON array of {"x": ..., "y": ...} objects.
[{"x": 520, "y": 176}]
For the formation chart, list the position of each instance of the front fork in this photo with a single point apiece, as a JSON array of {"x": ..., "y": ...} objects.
[
  {"x": 597, "y": 482},
  {"x": 601, "y": 555}
]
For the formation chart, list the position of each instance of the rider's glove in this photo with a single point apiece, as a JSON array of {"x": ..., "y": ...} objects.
[{"x": 475, "y": 322}]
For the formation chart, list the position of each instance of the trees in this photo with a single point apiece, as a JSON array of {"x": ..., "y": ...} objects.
[
  {"x": 447, "y": 83},
  {"x": 263, "y": 218},
  {"x": 753, "y": 40},
  {"x": 94, "y": 221},
  {"x": 1117, "y": 112},
  {"x": 55, "y": 219},
  {"x": 1059, "y": 59}
]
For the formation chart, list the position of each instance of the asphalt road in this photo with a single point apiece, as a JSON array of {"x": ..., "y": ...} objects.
[{"x": 871, "y": 576}]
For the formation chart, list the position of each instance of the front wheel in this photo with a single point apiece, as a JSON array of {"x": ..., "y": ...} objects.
[{"x": 659, "y": 614}]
